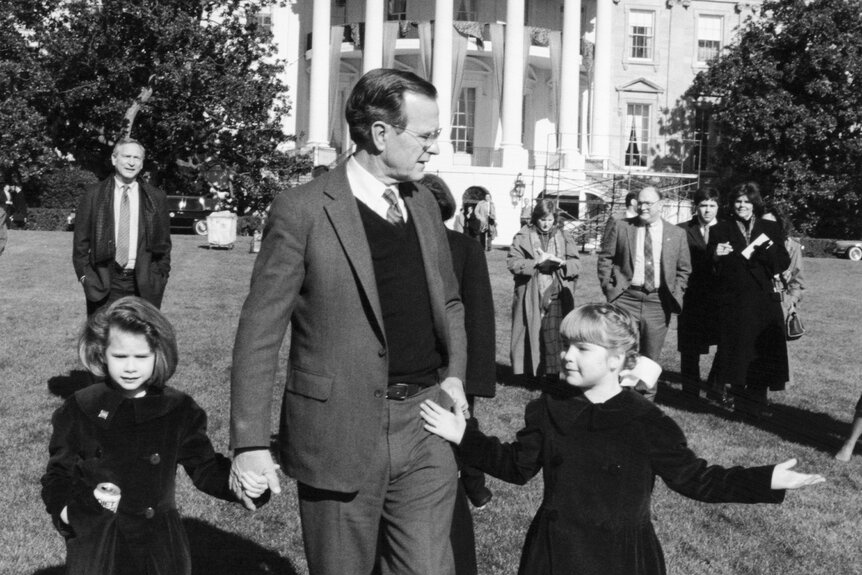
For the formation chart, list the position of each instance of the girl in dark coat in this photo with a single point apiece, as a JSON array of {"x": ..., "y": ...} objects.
[
  {"x": 600, "y": 448},
  {"x": 125, "y": 436}
]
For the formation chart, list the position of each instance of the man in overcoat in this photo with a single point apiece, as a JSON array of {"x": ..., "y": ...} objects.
[
  {"x": 643, "y": 267},
  {"x": 357, "y": 263},
  {"x": 122, "y": 241}
]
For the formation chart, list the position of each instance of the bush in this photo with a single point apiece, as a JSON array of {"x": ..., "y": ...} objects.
[
  {"x": 247, "y": 225},
  {"x": 47, "y": 219},
  {"x": 816, "y": 247},
  {"x": 60, "y": 188}
]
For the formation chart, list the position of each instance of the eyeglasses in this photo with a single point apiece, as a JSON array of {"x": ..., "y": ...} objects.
[{"x": 427, "y": 139}]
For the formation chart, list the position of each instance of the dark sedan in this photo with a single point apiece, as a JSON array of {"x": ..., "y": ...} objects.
[{"x": 189, "y": 213}]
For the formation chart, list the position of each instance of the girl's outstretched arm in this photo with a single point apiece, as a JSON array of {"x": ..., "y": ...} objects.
[
  {"x": 450, "y": 426},
  {"x": 784, "y": 478}
]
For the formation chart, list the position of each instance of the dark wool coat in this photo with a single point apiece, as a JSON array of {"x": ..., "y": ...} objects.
[
  {"x": 697, "y": 324},
  {"x": 99, "y": 435},
  {"x": 599, "y": 463},
  {"x": 471, "y": 271},
  {"x": 752, "y": 348}
]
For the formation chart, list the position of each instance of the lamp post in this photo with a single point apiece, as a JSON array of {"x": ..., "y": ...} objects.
[{"x": 517, "y": 192}]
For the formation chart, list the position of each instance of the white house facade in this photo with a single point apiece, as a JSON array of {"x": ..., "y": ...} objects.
[{"x": 564, "y": 96}]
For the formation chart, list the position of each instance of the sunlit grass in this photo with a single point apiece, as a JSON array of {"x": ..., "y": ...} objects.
[{"x": 814, "y": 531}]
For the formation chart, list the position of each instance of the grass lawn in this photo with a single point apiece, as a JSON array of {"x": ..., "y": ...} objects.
[{"x": 814, "y": 531}]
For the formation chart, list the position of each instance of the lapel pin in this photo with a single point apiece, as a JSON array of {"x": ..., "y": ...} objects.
[{"x": 103, "y": 414}]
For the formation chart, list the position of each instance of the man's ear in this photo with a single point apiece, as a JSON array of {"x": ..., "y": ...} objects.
[{"x": 378, "y": 135}]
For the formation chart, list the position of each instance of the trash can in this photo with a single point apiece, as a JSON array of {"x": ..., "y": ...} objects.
[{"x": 221, "y": 229}]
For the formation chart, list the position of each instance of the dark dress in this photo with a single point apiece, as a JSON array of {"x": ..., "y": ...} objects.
[
  {"x": 599, "y": 463},
  {"x": 99, "y": 435},
  {"x": 752, "y": 351},
  {"x": 697, "y": 325}
]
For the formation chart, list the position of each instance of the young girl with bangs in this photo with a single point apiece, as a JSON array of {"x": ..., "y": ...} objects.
[
  {"x": 111, "y": 477},
  {"x": 600, "y": 446}
]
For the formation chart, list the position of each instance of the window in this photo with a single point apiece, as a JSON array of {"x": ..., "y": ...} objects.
[
  {"x": 641, "y": 32},
  {"x": 465, "y": 10},
  {"x": 637, "y": 131},
  {"x": 464, "y": 121},
  {"x": 708, "y": 37},
  {"x": 264, "y": 19},
  {"x": 396, "y": 10}
]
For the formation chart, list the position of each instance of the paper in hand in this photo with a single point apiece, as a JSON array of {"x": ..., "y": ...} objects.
[{"x": 749, "y": 249}]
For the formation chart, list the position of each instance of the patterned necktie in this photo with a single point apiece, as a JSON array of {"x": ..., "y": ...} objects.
[
  {"x": 393, "y": 214},
  {"x": 649, "y": 268},
  {"x": 122, "y": 255}
]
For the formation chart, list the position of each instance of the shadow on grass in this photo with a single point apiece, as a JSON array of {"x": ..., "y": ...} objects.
[
  {"x": 65, "y": 385},
  {"x": 820, "y": 431},
  {"x": 217, "y": 552}
]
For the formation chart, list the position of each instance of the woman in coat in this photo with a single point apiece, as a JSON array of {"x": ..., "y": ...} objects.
[
  {"x": 748, "y": 251},
  {"x": 544, "y": 260}
]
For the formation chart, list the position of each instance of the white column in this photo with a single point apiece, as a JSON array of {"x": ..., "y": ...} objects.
[
  {"x": 372, "y": 41},
  {"x": 441, "y": 73},
  {"x": 318, "y": 101},
  {"x": 514, "y": 154},
  {"x": 569, "y": 83},
  {"x": 602, "y": 84}
]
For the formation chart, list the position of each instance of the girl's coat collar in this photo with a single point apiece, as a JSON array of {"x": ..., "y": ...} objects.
[
  {"x": 571, "y": 411},
  {"x": 100, "y": 403}
]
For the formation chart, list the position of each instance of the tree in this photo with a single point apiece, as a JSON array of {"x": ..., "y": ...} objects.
[
  {"x": 195, "y": 81},
  {"x": 24, "y": 144},
  {"x": 788, "y": 109}
]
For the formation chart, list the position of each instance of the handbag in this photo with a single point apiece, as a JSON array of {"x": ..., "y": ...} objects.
[{"x": 793, "y": 328}]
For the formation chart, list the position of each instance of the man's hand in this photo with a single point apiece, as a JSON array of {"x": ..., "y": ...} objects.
[
  {"x": 455, "y": 389},
  {"x": 246, "y": 464}
]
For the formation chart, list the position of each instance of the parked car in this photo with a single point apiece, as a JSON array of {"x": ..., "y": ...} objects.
[
  {"x": 189, "y": 213},
  {"x": 850, "y": 249}
]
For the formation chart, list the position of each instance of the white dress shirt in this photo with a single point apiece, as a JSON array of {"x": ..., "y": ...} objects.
[
  {"x": 655, "y": 232},
  {"x": 134, "y": 214},
  {"x": 369, "y": 190}
]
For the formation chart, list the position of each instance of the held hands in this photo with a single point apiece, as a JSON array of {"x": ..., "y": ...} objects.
[
  {"x": 251, "y": 473},
  {"x": 450, "y": 426},
  {"x": 455, "y": 389},
  {"x": 784, "y": 478}
]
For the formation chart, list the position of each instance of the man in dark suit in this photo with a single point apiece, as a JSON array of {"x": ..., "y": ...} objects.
[
  {"x": 358, "y": 264},
  {"x": 643, "y": 267},
  {"x": 697, "y": 325},
  {"x": 122, "y": 240}
]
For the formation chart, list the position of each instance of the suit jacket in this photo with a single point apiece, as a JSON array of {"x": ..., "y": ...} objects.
[
  {"x": 314, "y": 272},
  {"x": 616, "y": 262},
  {"x": 471, "y": 271},
  {"x": 93, "y": 244}
]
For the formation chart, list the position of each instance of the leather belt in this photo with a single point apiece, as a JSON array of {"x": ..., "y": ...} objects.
[
  {"x": 402, "y": 391},
  {"x": 123, "y": 271},
  {"x": 642, "y": 289}
]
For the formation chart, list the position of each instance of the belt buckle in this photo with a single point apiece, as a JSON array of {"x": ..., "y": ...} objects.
[{"x": 398, "y": 391}]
